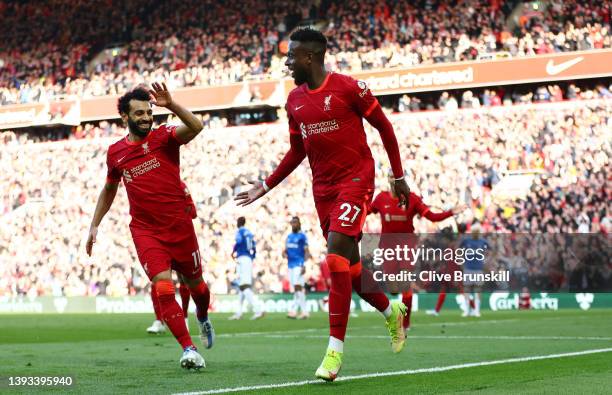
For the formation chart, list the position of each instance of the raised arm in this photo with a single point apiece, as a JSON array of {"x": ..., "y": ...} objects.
[
  {"x": 105, "y": 201},
  {"x": 191, "y": 127}
]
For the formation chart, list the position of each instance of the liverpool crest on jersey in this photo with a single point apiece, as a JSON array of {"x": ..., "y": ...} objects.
[{"x": 327, "y": 103}]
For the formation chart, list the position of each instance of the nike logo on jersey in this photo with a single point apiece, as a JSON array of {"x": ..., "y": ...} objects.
[
  {"x": 120, "y": 159},
  {"x": 345, "y": 225},
  {"x": 554, "y": 69},
  {"x": 298, "y": 107}
]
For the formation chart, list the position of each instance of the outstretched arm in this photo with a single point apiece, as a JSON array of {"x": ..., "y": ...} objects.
[
  {"x": 191, "y": 127},
  {"x": 292, "y": 159},
  {"x": 437, "y": 217},
  {"x": 105, "y": 201}
]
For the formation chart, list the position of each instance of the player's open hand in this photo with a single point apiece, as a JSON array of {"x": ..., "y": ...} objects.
[
  {"x": 247, "y": 197},
  {"x": 91, "y": 239},
  {"x": 160, "y": 95},
  {"x": 459, "y": 209},
  {"x": 402, "y": 191}
]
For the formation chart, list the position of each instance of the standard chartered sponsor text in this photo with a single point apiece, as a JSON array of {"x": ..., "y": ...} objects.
[
  {"x": 322, "y": 127},
  {"x": 145, "y": 167},
  {"x": 417, "y": 80}
]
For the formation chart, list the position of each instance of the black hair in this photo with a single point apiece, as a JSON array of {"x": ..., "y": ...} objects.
[
  {"x": 241, "y": 221},
  {"x": 295, "y": 217},
  {"x": 139, "y": 93},
  {"x": 309, "y": 35}
]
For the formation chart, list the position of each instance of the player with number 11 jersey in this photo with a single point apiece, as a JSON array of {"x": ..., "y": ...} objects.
[{"x": 147, "y": 160}]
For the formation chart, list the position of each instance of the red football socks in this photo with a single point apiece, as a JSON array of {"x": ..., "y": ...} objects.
[
  {"x": 156, "y": 308},
  {"x": 185, "y": 296},
  {"x": 367, "y": 288},
  {"x": 441, "y": 298},
  {"x": 339, "y": 295},
  {"x": 171, "y": 312},
  {"x": 201, "y": 297},
  {"x": 407, "y": 300}
]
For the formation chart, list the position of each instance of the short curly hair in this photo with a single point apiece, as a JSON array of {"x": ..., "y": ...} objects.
[
  {"x": 308, "y": 34},
  {"x": 139, "y": 93}
]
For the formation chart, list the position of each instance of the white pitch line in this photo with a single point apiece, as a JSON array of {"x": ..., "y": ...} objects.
[
  {"x": 448, "y": 337},
  {"x": 239, "y": 334},
  {"x": 450, "y": 323},
  {"x": 401, "y": 372}
]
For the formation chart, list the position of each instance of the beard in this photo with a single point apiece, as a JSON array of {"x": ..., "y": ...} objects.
[
  {"x": 137, "y": 130},
  {"x": 299, "y": 77}
]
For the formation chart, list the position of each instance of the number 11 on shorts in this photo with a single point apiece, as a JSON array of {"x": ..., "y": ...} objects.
[{"x": 196, "y": 259}]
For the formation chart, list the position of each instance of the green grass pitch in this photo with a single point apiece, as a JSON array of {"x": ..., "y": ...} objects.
[{"x": 113, "y": 354}]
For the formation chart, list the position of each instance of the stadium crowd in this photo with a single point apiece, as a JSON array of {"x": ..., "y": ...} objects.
[
  {"x": 188, "y": 43},
  {"x": 411, "y": 33},
  {"x": 463, "y": 156}
]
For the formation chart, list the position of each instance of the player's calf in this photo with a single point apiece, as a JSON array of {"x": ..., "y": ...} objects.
[{"x": 172, "y": 312}]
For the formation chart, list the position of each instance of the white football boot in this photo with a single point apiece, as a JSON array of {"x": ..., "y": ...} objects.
[
  {"x": 191, "y": 359},
  {"x": 156, "y": 328}
]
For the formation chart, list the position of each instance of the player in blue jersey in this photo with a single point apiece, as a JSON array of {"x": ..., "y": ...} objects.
[
  {"x": 244, "y": 252},
  {"x": 296, "y": 252},
  {"x": 473, "y": 265}
]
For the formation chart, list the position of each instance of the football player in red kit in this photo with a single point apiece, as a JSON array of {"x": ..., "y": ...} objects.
[
  {"x": 148, "y": 162},
  {"x": 326, "y": 113},
  {"x": 398, "y": 219}
]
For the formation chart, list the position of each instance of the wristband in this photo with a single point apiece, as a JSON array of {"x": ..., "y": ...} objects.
[{"x": 265, "y": 186}]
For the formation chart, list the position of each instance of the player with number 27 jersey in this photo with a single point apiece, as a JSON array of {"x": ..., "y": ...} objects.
[
  {"x": 328, "y": 121},
  {"x": 326, "y": 112}
]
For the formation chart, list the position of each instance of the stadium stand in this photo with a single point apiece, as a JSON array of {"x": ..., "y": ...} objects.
[{"x": 217, "y": 42}]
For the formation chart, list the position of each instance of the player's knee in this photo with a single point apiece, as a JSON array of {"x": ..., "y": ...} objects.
[
  {"x": 193, "y": 282},
  {"x": 164, "y": 289},
  {"x": 355, "y": 270},
  {"x": 198, "y": 288},
  {"x": 163, "y": 276},
  {"x": 337, "y": 263},
  {"x": 297, "y": 288},
  {"x": 340, "y": 244}
]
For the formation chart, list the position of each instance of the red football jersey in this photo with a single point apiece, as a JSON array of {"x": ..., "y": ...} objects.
[
  {"x": 329, "y": 119},
  {"x": 396, "y": 219},
  {"x": 150, "y": 170}
]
